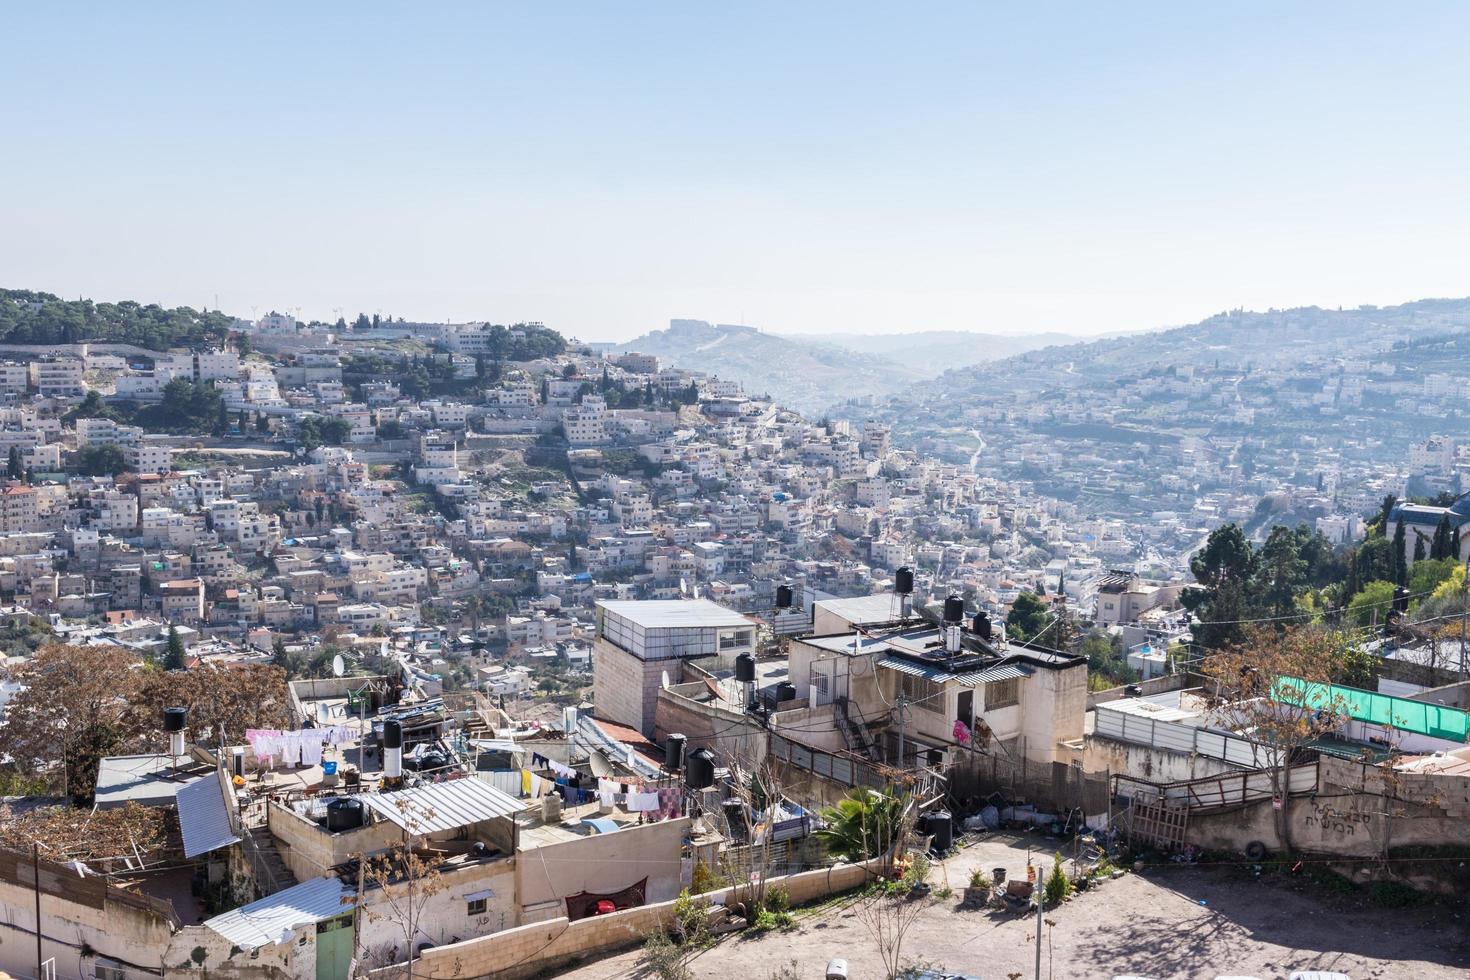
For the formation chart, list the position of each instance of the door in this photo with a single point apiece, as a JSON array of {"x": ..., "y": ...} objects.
[
  {"x": 334, "y": 948},
  {"x": 965, "y": 707}
]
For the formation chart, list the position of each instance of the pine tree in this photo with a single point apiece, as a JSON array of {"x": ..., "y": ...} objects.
[
  {"x": 1440, "y": 545},
  {"x": 1455, "y": 545},
  {"x": 14, "y": 468},
  {"x": 1400, "y": 558},
  {"x": 1419, "y": 553},
  {"x": 174, "y": 658}
]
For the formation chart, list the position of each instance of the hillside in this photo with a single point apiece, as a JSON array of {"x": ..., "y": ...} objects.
[
  {"x": 28, "y": 317},
  {"x": 931, "y": 352},
  {"x": 812, "y": 372},
  {"x": 805, "y": 377}
]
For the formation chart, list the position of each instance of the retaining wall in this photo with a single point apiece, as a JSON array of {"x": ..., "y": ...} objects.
[{"x": 525, "y": 951}]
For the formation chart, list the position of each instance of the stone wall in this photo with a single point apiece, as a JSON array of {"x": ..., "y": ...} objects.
[{"x": 532, "y": 949}]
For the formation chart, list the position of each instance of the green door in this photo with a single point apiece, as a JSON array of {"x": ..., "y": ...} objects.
[{"x": 334, "y": 948}]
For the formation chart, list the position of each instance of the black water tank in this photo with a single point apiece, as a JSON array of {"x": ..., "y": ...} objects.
[
  {"x": 954, "y": 609},
  {"x": 674, "y": 752},
  {"x": 699, "y": 770},
  {"x": 346, "y": 813},
  {"x": 982, "y": 626},
  {"x": 174, "y": 719},
  {"x": 942, "y": 829},
  {"x": 1401, "y": 599},
  {"x": 735, "y": 817},
  {"x": 785, "y": 691},
  {"x": 903, "y": 581},
  {"x": 392, "y": 734},
  {"x": 784, "y": 597},
  {"x": 745, "y": 669}
]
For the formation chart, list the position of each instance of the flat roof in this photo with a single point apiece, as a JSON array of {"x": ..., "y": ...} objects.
[
  {"x": 146, "y": 779},
  {"x": 881, "y": 607},
  {"x": 675, "y": 613}
]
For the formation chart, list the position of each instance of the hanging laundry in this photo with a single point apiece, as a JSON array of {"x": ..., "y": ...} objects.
[
  {"x": 311, "y": 752},
  {"x": 560, "y": 769},
  {"x": 642, "y": 802}
]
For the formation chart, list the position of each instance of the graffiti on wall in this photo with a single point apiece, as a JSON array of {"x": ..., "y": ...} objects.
[{"x": 1335, "y": 822}]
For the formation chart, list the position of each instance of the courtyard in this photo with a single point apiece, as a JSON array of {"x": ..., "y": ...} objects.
[{"x": 1171, "y": 922}]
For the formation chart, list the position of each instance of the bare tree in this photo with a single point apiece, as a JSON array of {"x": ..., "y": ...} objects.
[
  {"x": 887, "y": 917},
  {"x": 1272, "y": 687},
  {"x": 404, "y": 881}
]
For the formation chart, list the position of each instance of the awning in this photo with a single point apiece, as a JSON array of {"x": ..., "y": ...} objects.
[
  {"x": 970, "y": 678},
  {"x": 204, "y": 817},
  {"x": 443, "y": 806},
  {"x": 272, "y": 920},
  {"x": 480, "y": 896},
  {"x": 495, "y": 745}
]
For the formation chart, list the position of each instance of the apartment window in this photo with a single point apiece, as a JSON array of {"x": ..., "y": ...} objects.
[
  {"x": 922, "y": 693},
  {"x": 477, "y": 906},
  {"x": 1002, "y": 694}
]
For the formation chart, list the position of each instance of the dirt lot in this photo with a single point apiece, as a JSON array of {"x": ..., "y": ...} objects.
[{"x": 1169, "y": 923}]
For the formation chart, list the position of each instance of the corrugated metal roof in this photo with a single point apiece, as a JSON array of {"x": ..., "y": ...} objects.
[
  {"x": 1001, "y": 672},
  {"x": 1004, "y": 672},
  {"x": 443, "y": 806},
  {"x": 204, "y": 817},
  {"x": 271, "y": 920}
]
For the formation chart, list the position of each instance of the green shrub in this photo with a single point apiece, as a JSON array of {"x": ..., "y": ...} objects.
[
  {"x": 979, "y": 879},
  {"x": 1058, "y": 886},
  {"x": 1394, "y": 894}
]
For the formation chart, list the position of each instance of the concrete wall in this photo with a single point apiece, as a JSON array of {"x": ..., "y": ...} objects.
[
  {"x": 1157, "y": 765},
  {"x": 624, "y": 688},
  {"x": 444, "y": 917},
  {"x": 119, "y": 931},
  {"x": 1450, "y": 695},
  {"x": 310, "y": 851},
  {"x": 539, "y": 947},
  {"x": 707, "y": 724},
  {"x": 1358, "y": 811},
  {"x": 601, "y": 863}
]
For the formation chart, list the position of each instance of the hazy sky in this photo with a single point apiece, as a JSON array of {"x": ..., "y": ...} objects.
[{"x": 800, "y": 167}]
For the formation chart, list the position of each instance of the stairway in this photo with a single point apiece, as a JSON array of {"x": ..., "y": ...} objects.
[
  {"x": 854, "y": 734},
  {"x": 271, "y": 873}
]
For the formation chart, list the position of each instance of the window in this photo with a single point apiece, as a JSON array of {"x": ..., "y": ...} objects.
[
  {"x": 476, "y": 906},
  {"x": 108, "y": 971},
  {"x": 1002, "y": 694},
  {"x": 922, "y": 693}
]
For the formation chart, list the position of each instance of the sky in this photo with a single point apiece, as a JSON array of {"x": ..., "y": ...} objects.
[{"x": 813, "y": 167}]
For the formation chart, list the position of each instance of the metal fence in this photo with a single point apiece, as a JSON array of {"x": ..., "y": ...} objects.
[
  {"x": 1174, "y": 737},
  {"x": 1216, "y": 792}
]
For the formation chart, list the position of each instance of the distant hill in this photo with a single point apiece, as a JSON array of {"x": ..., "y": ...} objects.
[
  {"x": 812, "y": 372},
  {"x": 28, "y": 317},
  {"x": 1240, "y": 339},
  {"x": 933, "y": 352}
]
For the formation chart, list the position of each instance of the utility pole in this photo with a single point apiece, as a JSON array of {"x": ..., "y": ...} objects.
[
  {"x": 902, "y": 703},
  {"x": 1464, "y": 611},
  {"x": 1040, "y": 894},
  {"x": 36, "y": 870}
]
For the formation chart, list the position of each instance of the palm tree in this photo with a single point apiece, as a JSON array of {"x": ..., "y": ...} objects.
[{"x": 863, "y": 824}]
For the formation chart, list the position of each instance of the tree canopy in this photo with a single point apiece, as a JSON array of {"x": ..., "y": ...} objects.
[{"x": 28, "y": 317}]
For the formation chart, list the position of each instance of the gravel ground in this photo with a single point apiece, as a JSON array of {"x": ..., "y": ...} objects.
[{"x": 1169, "y": 923}]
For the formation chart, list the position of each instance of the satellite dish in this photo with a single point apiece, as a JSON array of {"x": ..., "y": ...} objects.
[
  {"x": 666, "y": 680},
  {"x": 338, "y": 665}
]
